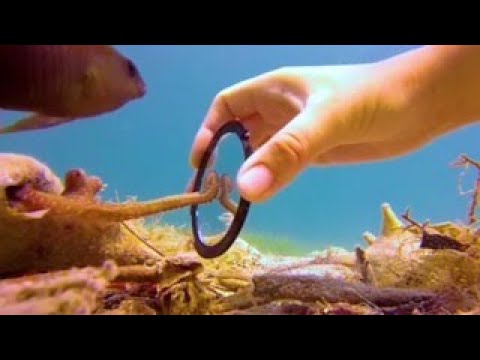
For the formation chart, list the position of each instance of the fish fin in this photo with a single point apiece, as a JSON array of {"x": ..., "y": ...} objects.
[
  {"x": 89, "y": 81},
  {"x": 34, "y": 122}
]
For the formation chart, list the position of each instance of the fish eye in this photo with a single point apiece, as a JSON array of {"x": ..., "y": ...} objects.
[{"x": 132, "y": 69}]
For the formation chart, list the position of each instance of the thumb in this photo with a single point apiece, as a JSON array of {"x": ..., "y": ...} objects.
[{"x": 289, "y": 152}]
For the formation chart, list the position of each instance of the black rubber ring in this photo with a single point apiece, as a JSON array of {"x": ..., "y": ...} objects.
[{"x": 224, "y": 244}]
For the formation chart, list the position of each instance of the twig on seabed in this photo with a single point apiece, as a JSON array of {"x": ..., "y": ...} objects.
[{"x": 465, "y": 161}]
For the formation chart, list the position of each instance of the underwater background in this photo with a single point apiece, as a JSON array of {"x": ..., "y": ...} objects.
[{"x": 142, "y": 150}]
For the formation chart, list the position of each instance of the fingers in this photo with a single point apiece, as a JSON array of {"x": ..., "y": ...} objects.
[
  {"x": 234, "y": 103},
  {"x": 283, "y": 157},
  {"x": 263, "y": 104}
]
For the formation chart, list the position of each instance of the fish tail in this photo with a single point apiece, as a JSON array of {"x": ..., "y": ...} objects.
[{"x": 33, "y": 122}]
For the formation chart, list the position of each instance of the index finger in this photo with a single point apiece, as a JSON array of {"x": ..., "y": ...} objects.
[{"x": 234, "y": 103}]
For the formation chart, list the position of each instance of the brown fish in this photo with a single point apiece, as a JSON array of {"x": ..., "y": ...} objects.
[{"x": 62, "y": 83}]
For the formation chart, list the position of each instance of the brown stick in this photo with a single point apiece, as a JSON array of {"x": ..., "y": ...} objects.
[{"x": 315, "y": 288}]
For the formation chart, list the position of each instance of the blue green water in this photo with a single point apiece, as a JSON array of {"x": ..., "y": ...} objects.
[{"x": 142, "y": 150}]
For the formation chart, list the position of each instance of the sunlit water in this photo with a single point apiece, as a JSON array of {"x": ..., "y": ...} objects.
[{"x": 142, "y": 150}]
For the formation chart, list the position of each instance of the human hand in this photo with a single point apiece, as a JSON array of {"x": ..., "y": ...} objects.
[{"x": 320, "y": 116}]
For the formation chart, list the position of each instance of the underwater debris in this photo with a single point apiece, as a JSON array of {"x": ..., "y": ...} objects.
[
  {"x": 162, "y": 271},
  {"x": 237, "y": 283},
  {"x": 447, "y": 263},
  {"x": 465, "y": 161},
  {"x": 156, "y": 285},
  {"x": 409, "y": 268},
  {"x": 130, "y": 307},
  {"x": 313, "y": 288},
  {"x": 75, "y": 291},
  {"x": 433, "y": 238},
  {"x": 364, "y": 267},
  {"x": 278, "y": 309},
  {"x": 437, "y": 241}
]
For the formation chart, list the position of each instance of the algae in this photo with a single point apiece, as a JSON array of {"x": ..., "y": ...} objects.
[{"x": 274, "y": 244}]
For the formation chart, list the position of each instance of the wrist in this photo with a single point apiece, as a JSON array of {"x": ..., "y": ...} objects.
[{"x": 435, "y": 85}]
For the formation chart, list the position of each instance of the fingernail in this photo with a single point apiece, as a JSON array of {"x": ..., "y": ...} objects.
[{"x": 255, "y": 182}]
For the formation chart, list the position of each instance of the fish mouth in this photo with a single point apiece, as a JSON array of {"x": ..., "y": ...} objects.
[{"x": 142, "y": 90}]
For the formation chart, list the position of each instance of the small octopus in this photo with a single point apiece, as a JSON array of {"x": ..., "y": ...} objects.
[{"x": 47, "y": 224}]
